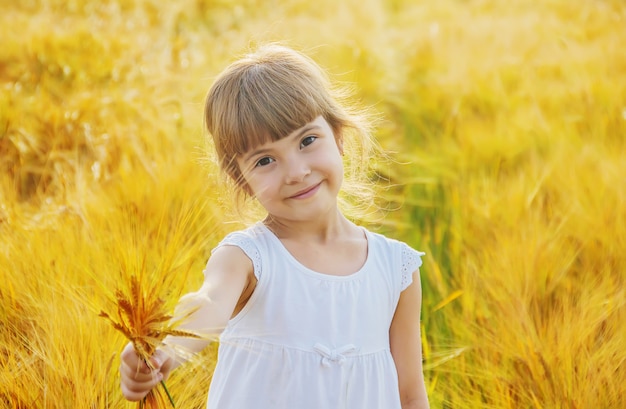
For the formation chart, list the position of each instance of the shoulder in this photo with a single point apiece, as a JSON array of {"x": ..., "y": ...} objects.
[
  {"x": 381, "y": 239},
  {"x": 249, "y": 243},
  {"x": 404, "y": 259},
  {"x": 392, "y": 246},
  {"x": 229, "y": 260}
]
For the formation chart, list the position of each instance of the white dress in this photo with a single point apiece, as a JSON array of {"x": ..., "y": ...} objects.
[{"x": 307, "y": 340}]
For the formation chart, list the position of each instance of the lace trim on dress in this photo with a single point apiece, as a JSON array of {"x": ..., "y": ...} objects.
[
  {"x": 247, "y": 245},
  {"x": 411, "y": 261}
]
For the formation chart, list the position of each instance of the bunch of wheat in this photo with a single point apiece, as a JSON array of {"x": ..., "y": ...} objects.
[{"x": 145, "y": 322}]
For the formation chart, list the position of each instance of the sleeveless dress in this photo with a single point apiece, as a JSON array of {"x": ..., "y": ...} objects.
[{"x": 307, "y": 340}]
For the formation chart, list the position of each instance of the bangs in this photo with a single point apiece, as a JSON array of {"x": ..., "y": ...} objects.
[{"x": 269, "y": 108}]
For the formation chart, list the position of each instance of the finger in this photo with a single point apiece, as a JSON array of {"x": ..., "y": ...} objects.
[
  {"x": 131, "y": 359},
  {"x": 136, "y": 386},
  {"x": 129, "y": 356},
  {"x": 141, "y": 382},
  {"x": 161, "y": 358},
  {"x": 134, "y": 391},
  {"x": 155, "y": 362},
  {"x": 134, "y": 376},
  {"x": 132, "y": 395}
]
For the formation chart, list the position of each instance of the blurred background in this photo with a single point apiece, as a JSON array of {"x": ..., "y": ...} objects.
[{"x": 506, "y": 120}]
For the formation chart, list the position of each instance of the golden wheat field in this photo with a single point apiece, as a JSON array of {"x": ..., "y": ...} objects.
[{"x": 507, "y": 120}]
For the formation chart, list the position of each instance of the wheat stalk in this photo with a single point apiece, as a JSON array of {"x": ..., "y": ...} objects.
[{"x": 145, "y": 323}]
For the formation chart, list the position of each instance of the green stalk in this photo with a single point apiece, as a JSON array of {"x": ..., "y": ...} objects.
[{"x": 168, "y": 394}]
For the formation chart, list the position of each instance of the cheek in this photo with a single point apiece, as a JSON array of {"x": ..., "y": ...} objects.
[
  {"x": 260, "y": 187},
  {"x": 333, "y": 161},
  {"x": 339, "y": 170},
  {"x": 252, "y": 183}
]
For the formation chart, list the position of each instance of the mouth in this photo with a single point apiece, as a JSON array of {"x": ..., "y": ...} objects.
[{"x": 305, "y": 193}]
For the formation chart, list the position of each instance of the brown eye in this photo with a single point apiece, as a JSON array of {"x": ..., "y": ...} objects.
[
  {"x": 264, "y": 161},
  {"x": 307, "y": 141}
]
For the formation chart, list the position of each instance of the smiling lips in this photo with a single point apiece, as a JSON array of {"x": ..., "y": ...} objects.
[{"x": 306, "y": 193}]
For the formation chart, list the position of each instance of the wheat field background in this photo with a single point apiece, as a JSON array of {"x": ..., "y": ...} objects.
[{"x": 508, "y": 123}]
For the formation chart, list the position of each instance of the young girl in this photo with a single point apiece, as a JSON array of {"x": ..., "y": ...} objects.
[{"x": 314, "y": 311}]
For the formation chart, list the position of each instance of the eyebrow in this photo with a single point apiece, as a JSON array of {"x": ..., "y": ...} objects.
[{"x": 298, "y": 135}]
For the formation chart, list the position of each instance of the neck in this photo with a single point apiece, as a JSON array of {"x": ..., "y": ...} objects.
[{"x": 322, "y": 230}]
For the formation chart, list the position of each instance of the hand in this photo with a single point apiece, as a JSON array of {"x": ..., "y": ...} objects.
[{"x": 137, "y": 379}]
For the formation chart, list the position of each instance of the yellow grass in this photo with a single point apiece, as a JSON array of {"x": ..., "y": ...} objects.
[{"x": 509, "y": 122}]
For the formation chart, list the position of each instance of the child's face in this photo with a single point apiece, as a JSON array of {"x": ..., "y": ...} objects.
[{"x": 296, "y": 178}]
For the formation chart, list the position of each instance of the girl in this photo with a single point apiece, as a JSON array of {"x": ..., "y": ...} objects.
[{"x": 316, "y": 311}]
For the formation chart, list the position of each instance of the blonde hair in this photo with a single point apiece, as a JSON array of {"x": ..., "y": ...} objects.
[{"x": 271, "y": 92}]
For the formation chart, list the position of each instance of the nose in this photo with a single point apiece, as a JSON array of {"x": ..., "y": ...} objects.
[{"x": 296, "y": 169}]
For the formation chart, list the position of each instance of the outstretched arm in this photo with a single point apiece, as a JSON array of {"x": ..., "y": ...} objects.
[
  {"x": 406, "y": 347},
  {"x": 228, "y": 272}
]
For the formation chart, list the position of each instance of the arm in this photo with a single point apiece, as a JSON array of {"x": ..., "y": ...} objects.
[
  {"x": 406, "y": 347},
  {"x": 227, "y": 274}
]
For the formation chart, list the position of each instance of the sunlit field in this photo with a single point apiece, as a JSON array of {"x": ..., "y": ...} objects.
[{"x": 506, "y": 121}]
